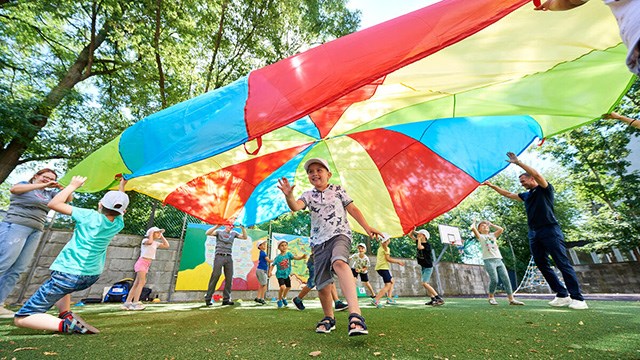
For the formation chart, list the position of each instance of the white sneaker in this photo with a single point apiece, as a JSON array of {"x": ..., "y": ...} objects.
[
  {"x": 138, "y": 306},
  {"x": 578, "y": 305},
  {"x": 127, "y": 306},
  {"x": 493, "y": 301},
  {"x": 560, "y": 302},
  {"x": 6, "y": 313}
]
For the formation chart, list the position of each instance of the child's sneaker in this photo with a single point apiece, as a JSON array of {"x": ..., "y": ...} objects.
[
  {"x": 377, "y": 304},
  {"x": 392, "y": 301},
  {"x": 138, "y": 306},
  {"x": 285, "y": 303},
  {"x": 257, "y": 300},
  {"x": 438, "y": 301},
  {"x": 339, "y": 305},
  {"x": 279, "y": 304},
  {"x": 74, "y": 324},
  {"x": 298, "y": 303},
  {"x": 127, "y": 306},
  {"x": 6, "y": 313}
]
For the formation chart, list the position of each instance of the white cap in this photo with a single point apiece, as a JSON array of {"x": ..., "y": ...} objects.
[
  {"x": 153, "y": 230},
  {"x": 424, "y": 232},
  {"x": 260, "y": 242},
  {"x": 280, "y": 242},
  {"x": 116, "y": 201},
  {"x": 363, "y": 245},
  {"x": 385, "y": 237},
  {"x": 320, "y": 161}
]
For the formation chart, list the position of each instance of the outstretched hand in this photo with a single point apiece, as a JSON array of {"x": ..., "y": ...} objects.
[
  {"x": 513, "y": 158},
  {"x": 285, "y": 186},
  {"x": 373, "y": 232},
  {"x": 77, "y": 181}
]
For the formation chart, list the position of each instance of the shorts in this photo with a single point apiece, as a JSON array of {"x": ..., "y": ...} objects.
[
  {"x": 263, "y": 279},
  {"x": 142, "y": 265},
  {"x": 311, "y": 281},
  {"x": 285, "y": 281},
  {"x": 325, "y": 254},
  {"x": 54, "y": 289},
  {"x": 363, "y": 276},
  {"x": 386, "y": 275},
  {"x": 426, "y": 274}
]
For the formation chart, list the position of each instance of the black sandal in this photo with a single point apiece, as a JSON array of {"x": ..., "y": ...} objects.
[
  {"x": 325, "y": 325},
  {"x": 357, "y": 320}
]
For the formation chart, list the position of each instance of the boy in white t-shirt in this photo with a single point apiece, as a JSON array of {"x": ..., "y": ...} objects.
[{"x": 147, "y": 254}]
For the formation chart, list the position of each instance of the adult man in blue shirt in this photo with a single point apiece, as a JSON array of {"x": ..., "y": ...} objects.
[{"x": 545, "y": 236}]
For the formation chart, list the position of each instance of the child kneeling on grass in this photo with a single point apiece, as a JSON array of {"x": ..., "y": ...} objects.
[{"x": 79, "y": 264}]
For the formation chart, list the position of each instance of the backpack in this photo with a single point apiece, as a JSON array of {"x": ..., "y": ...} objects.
[
  {"x": 119, "y": 291},
  {"x": 145, "y": 294}
]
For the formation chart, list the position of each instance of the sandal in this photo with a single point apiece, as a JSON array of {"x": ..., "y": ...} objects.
[
  {"x": 325, "y": 325},
  {"x": 354, "y": 321}
]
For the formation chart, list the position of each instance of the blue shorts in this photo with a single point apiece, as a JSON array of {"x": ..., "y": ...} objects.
[
  {"x": 386, "y": 275},
  {"x": 426, "y": 274},
  {"x": 54, "y": 289}
]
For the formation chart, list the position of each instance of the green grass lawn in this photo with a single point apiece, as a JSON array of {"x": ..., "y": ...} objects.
[{"x": 461, "y": 329}]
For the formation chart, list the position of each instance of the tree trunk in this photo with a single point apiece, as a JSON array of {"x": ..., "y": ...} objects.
[{"x": 10, "y": 155}]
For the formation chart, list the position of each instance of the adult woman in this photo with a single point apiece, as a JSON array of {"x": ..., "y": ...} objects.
[{"x": 22, "y": 227}]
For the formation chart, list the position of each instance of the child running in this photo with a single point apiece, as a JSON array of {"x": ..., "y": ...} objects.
[
  {"x": 493, "y": 260},
  {"x": 282, "y": 263},
  {"x": 79, "y": 264},
  {"x": 425, "y": 260},
  {"x": 360, "y": 264},
  {"x": 148, "y": 249},
  {"x": 382, "y": 268},
  {"x": 330, "y": 240},
  {"x": 297, "y": 301},
  {"x": 262, "y": 272}
]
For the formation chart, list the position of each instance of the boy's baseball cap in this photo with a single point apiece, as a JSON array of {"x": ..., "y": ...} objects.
[
  {"x": 363, "y": 245},
  {"x": 154, "y": 229},
  {"x": 261, "y": 242},
  {"x": 385, "y": 237},
  {"x": 280, "y": 242},
  {"x": 320, "y": 161},
  {"x": 424, "y": 232},
  {"x": 116, "y": 201}
]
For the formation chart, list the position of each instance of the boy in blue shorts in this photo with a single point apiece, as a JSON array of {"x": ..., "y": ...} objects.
[
  {"x": 330, "y": 240},
  {"x": 79, "y": 264}
]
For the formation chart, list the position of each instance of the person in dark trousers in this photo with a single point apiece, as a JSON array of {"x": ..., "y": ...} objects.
[
  {"x": 223, "y": 259},
  {"x": 545, "y": 236}
]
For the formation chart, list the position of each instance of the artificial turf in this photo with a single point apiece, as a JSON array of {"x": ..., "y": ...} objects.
[{"x": 461, "y": 329}]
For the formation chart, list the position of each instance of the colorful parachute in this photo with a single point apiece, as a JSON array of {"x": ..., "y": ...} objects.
[{"x": 412, "y": 114}]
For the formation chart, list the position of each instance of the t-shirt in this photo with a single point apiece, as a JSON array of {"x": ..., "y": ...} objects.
[
  {"x": 424, "y": 256},
  {"x": 224, "y": 241},
  {"x": 360, "y": 263},
  {"x": 282, "y": 264},
  {"x": 538, "y": 202},
  {"x": 86, "y": 252},
  {"x": 381, "y": 260},
  {"x": 262, "y": 261},
  {"x": 30, "y": 208},
  {"x": 489, "y": 246},
  {"x": 627, "y": 13},
  {"x": 148, "y": 251},
  {"x": 328, "y": 213}
]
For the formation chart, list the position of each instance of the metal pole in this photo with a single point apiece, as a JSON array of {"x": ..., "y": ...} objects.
[{"x": 152, "y": 216}]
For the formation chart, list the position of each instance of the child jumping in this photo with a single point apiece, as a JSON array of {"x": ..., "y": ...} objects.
[
  {"x": 330, "y": 240},
  {"x": 360, "y": 264},
  {"x": 383, "y": 259},
  {"x": 425, "y": 260},
  {"x": 493, "y": 260},
  {"x": 261, "y": 272},
  {"x": 282, "y": 263},
  {"x": 79, "y": 264},
  {"x": 148, "y": 249}
]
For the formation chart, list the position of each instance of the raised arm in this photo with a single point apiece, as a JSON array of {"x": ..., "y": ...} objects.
[
  {"x": 244, "y": 233},
  {"x": 353, "y": 210},
  {"x": 531, "y": 171},
  {"x": 474, "y": 228},
  {"x": 559, "y": 5},
  {"x": 300, "y": 257},
  {"x": 287, "y": 190},
  {"x": 18, "y": 189},
  {"x": 412, "y": 235},
  {"x": 58, "y": 203},
  {"x": 631, "y": 122},
  {"x": 212, "y": 230},
  {"x": 499, "y": 230},
  {"x": 502, "y": 191},
  {"x": 165, "y": 243}
]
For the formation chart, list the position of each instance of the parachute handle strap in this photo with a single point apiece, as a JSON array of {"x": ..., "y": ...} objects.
[{"x": 259, "y": 141}]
